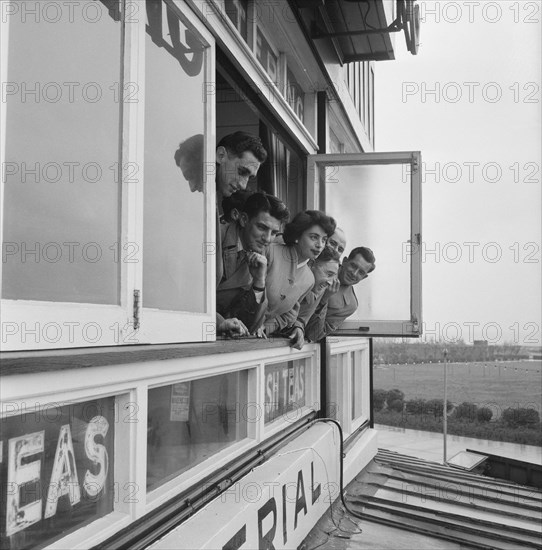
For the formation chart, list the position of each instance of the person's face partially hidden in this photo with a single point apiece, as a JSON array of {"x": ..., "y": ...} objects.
[
  {"x": 337, "y": 242},
  {"x": 324, "y": 273},
  {"x": 233, "y": 172},
  {"x": 353, "y": 271},
  {"x": 311, "y": 243},
  {"x": 259, "y": 232}
]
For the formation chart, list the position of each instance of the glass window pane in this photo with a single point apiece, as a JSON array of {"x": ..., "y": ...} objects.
[
  {"x": 285, "y": 388},
  {"x": 174, "y": 215},
  {"x": 61, "y": 460},
  {"x": 189, "y": 422},
  {"x": 295, "y": 95},
  {"x": 372, "y": 205},
  {"x": 357, "y": 390},
  {"x": 237, "y": 10},
  {"x": 62, "y": 142}
]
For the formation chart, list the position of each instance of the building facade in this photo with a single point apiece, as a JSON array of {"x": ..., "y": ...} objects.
[{"x": 125, "y": 420}]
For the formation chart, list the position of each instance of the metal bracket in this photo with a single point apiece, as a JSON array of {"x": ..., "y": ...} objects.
[{"x": 136, "y": 308}]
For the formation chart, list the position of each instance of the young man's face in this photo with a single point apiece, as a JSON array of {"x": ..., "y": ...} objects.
[
  {"x": 233, "y": 172},
  {"x": 259, "y": 232},
  {"x": 354, "y": 270},
  {"x": 324, "y": 273}
]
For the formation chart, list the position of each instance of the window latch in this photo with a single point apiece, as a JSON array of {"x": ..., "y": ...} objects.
[{"x": 136, "y": 308}]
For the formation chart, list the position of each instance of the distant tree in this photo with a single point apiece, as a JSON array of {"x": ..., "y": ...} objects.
[
  {"x": 484, "y": 414},
  {"x": 379, "y": 399},
  {"x": 395, "y": 399},
  {"x": 415, "y": 406},
  {"x": 394, "y": 394},
  {"x": 466, "y": 411},
  {"x": 434, "y": 407},
  {"x": 396, "y": 405},
  {"x": 515, "y": 417}
]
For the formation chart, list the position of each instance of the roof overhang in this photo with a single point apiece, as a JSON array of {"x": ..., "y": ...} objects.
[{"x": 362, "y": 30}]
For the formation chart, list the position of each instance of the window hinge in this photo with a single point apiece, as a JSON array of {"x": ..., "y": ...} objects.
[{"x": 136, "y": 309}]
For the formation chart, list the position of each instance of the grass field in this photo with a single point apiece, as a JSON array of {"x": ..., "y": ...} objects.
[{"x": 495, "y": 385}]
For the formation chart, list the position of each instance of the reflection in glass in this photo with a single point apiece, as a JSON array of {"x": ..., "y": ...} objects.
[
  {"x": 372, "y": 205},
  {"x": 189, "y": 422},
  {"x": 62, "y": 130},
  {"x": 174, "y": 216}
]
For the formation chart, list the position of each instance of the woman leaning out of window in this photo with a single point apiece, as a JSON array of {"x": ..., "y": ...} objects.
[{"x": 289, "y": 278}]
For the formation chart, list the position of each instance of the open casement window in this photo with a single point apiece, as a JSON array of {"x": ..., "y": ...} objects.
[
  {"x": 105, "y": 241},
  {"x": 376, "y": 199}
]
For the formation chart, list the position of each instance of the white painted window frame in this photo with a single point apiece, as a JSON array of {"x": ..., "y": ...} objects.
[
  {"x": 130, "y": 384},
  {"x": 339, "y": 382},
  {"x": 31, "y": 324},
  {"x": 315, "y": 190},
  {"x": 157, "y": 325},
  {"x": 27, "y": 324}
]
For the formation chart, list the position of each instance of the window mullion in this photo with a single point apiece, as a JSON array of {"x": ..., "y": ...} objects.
[{"x": 132, "y": 94}]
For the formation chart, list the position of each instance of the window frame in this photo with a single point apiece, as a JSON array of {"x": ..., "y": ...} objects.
[
  {"x": 74, "y": 324},
  {"x": 129, "y": 383},
  {"x": 27, "y": 315},
  {"x": 316, "y": 194},
  {"x": 339, "y": 382},
  {"x": 163, "y": 326}
]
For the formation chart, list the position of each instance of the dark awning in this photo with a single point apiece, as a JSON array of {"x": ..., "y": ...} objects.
[{"x": 361, "y": 30}]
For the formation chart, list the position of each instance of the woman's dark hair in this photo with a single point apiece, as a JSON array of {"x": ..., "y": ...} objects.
[
  {"x": 303, "y": 221},
  {"x": 239, "y": 142}
]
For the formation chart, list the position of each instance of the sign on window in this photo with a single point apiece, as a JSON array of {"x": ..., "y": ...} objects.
[
  {"x": 56, "y": 471},
  {"x": 266, "y": 56},
  {"x": 285, "y": 388}
]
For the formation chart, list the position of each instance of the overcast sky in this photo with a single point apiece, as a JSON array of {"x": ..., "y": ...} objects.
[{"x": 470, "y": 102}]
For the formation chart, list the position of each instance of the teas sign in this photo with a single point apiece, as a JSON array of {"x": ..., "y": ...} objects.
[
  {"x": 285, "y": 388},
  {"x": 55, "y": 471}
]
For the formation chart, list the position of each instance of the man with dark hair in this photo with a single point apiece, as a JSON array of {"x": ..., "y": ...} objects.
[
  {"x": 241, "y": 294},
  {"x": 339, "y": 301},
  {"x": 238, "y": 158}
]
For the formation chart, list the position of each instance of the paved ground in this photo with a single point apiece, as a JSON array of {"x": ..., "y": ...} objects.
[
  {"x": 428, "y": 445},
  {"x": 341, "y": 531}
]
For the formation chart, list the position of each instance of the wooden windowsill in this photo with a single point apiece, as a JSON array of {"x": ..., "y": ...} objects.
[{"x": 26, "y": 362}]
